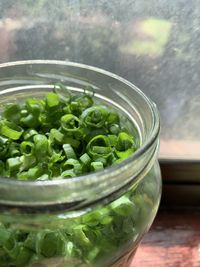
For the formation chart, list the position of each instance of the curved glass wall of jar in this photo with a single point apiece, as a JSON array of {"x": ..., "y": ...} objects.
[{"x": 92, "y": 220}]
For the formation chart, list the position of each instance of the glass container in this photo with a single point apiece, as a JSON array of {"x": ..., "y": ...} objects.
[{"x": 96, "y": 219}]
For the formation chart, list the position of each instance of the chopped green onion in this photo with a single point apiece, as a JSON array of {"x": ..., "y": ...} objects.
[
  {"x": 70, "y": 123},
  {"x": 102, "y": 160},
  {"x": 62, "y": 126},
  {"x": 60, "y": 136},
  {"x": 101, "y": 150},
  {"x": 10, "y": 130},
  {"x": 43, "y": 177},
  {"x": 69, "y": 151},
  {"x": 27, "y": 161},
  {"x": 27, "y": 148},
  {"x": 41, "y": 146},
  {"x": 112, "y": 139},
  {"x": 125, "y": 145},
  {"x": 68, "y": 173},
  {"x": 71, "y": 141},
  {"x": 113, "y": 118},
  {"x": 34, "y": 106},
  {"x": 97, "y": 166},
  {"x": 30, "y": 120},
  {"x": 32, "y": 174},
  {"x": 85, "y": 159},
  {"x": 95, "y": 116},
  {"x": 13, "y": 164},
  {"x": 99, "y": 146},
  {"x": 72, "y": 164},
  {"x": 124, "y": 141},
  {"x": 56, "y": 135},
  {"x": 28, "y": 134},
  {"x": 4, "y": 146},
  {"x": 52, "y": 100},
  {"x": 114, "y": 129}
]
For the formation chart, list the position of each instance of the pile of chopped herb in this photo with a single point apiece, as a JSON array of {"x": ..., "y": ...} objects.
[
  {"x": 94, "y": 239},
  {"x": 61, "y": 135},
  {"x": 64, "y": 135}
]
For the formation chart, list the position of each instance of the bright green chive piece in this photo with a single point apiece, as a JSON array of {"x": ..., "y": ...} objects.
[
  {"x": 70, "y": 123},
  {"x": 112, "y": 139},
  {"x": 95, "y": 116},
  {"x": 41, "y": 146},
  {"x": 72, "y": 164},
  {"x": 114, "y": 129},
  {"x": 125, "y": 154},
  {"x": 102, "y": 160},
  {"x": 68, "y": 174},
  {"x": 27, "y": 148},
  {"x": 101, "y": 150},
  {"x": 43, "y": 177},
  {"x": 113, "y": 118},
  {"x": 10, "y": 130},
  {"x": 27, "y": 161},
  {"x": 85, "y": 159},
  {"x": 69, "y": 151},
  {"x": 28, "y": 134},
  {"x": 3, "y": 141},
  {"x": 125, "y": 145},
  {"x": 13, "y": 164},
  {"x": 99, "y": 146},
  {"x": 71, "y": 141},
  {"x": 56, "y": 135},
  {"x": 34, "y": 106},
  {"x": 32, "y": 174},
  {"x": 30, "y": 120},
  {"x": 97, "y": 166},
  {"x": 124, "y": 141},
  {"x": 52, "y": 100}
]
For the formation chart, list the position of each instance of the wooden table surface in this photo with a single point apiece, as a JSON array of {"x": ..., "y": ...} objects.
[{"x": 173, "y": 241}]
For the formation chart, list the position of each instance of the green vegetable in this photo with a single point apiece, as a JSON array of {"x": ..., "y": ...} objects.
[
  {"x": 95, "y": 116},
  {"x": 10, "y": 130},
  {"x": 37, "y": 137},
  {"x": 63, "y": 136}
]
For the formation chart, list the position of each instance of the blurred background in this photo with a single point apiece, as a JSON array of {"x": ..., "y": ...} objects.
[{"x": 154, "y": 44}]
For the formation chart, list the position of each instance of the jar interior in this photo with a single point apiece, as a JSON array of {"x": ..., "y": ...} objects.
[
  {"x": 118, "y": 205},
  {"x": 35, "y": 78}
]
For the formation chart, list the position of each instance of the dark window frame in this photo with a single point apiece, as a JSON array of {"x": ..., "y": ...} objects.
[{"x": 181, "y": 182}]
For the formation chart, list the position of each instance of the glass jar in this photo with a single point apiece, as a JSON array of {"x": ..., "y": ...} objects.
[{"x": 93, "y": 220}]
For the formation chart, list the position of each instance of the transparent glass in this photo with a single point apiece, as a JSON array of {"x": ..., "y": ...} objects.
[{"x": 92, "y": 220}]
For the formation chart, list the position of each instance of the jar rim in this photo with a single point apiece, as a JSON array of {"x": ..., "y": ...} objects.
[{"x": 74, "y": 181}]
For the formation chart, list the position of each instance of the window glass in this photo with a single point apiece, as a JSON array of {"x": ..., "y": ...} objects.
[{"x": 154, "y": 44}]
